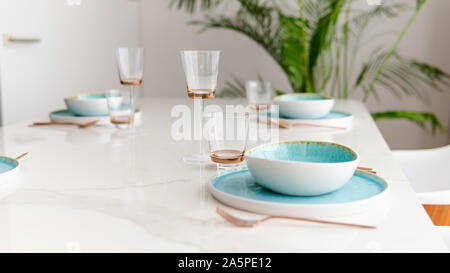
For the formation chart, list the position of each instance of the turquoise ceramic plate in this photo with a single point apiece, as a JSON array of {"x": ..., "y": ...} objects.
[
  {"x": 67, "y": 113},
  {"x": 294, "y": 97},
  {"x": 7, "y": 164},
  {"x": 333, "y": 118},
  {"x": 239, "y": 189},
  {"x": 330, "y": 115},
  {"x": 67, "y": 116}
]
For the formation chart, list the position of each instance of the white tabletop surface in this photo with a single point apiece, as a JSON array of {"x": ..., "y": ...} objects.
[{"x": 90, "y": 190}]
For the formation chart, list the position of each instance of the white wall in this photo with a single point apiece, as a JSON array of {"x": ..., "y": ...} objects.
[
  {"x": 76, "y": 54},
  {"x": 165, "y": 33}
]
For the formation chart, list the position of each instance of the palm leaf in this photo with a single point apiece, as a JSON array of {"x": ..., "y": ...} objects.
[
  {"x": 292, "y": 50},
  {"x": 359, "y": 22},
  {"x": 233, "y": 89},
  {"x": 278, "y": 92},
  {"x": 393, "y": 49},
  {"x": 355, "y": 29},
  {"x": 192, "y": 5},
  {"x": 419, "y": 118},
  {"x": 255, "y": 20},
  {"x": 431, "y": 72},
  {"x": 236, "y": 88},
  {"x": 409, "y": 77},
  {"x": 322, "y": 38}
]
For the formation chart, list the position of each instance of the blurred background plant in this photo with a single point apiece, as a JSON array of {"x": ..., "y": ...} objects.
[{"x": 316, "y": 43}]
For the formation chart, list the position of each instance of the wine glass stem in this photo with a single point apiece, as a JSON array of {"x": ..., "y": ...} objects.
[
  {"x": 257, "y": 115},
  {"x": 132, "y": 107},
  {"x": 200, "y": 104}
]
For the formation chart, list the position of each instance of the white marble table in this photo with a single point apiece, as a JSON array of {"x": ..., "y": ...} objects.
[{"x": 89, "y": 190}]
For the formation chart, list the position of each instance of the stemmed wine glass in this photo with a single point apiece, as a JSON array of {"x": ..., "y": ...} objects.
[
  {"x": 259, "y": 95},
  {"x": 201, "y": 69},
  {"x": 130, "y": 63}
]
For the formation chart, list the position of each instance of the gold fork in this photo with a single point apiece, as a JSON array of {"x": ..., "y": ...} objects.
[
  {"x": 370, "y": 170},
  {"x": 253, "y": 223},
  {"x": 84, "y": 125}
]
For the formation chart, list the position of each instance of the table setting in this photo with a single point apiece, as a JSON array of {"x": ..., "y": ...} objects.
[
  {"x": 325, "y": 177},
  {"x": 110, "y": 107},
  {"x": 295, "y": 173}
]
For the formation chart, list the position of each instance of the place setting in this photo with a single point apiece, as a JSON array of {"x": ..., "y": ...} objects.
[
  {"x": 110, "y": 108},
  {"x": 301, "y": 111},
  {"x": 291, "y": 179},
  {"x": 300, "y": 179},
  {"x": 311, "y": 110}
]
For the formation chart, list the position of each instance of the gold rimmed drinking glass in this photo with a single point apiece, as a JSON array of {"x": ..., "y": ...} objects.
[
  {"x": 130, "y": 63},
  {"x": 227, "y": 137},
  {"x": 201, "y": 68}
]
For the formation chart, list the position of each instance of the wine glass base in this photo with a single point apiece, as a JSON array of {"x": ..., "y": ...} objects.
[{"x": 197, "y": 159}]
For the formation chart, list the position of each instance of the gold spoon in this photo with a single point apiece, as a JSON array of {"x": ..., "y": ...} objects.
[
  {"x": 318, "y": 125},
  {"x": 285, "y": 125},
  {"x": 22, "y": 155},
  {"x": 253, "y": 223},
  {"x": 84, "y": 125}
]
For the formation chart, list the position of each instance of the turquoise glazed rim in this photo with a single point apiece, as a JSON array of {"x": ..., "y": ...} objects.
[
  {"x": 7, "y": 164},
  {"x": 302, "y": 97},
  {"x": 304, "y": 151},
  {"x": 67, "y": 113},
  {"x": 89, "y": 96},
  {"x": 241, "y": 184}
]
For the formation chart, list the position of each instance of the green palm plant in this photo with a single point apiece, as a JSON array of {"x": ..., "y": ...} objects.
[{"x": 315, "y": 43}]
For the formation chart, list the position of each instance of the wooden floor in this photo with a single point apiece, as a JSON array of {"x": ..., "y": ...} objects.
[{"x": 439, "y": 214}]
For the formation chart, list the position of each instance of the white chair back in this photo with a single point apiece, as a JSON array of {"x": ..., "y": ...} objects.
[{"x": 428, "y": 172}]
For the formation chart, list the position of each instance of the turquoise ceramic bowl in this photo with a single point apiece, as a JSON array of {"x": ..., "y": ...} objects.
[
  {"x": 304, "y": 106},
  {"x": 87, "y": 105},
  {"x": 302, "y": 168}
]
